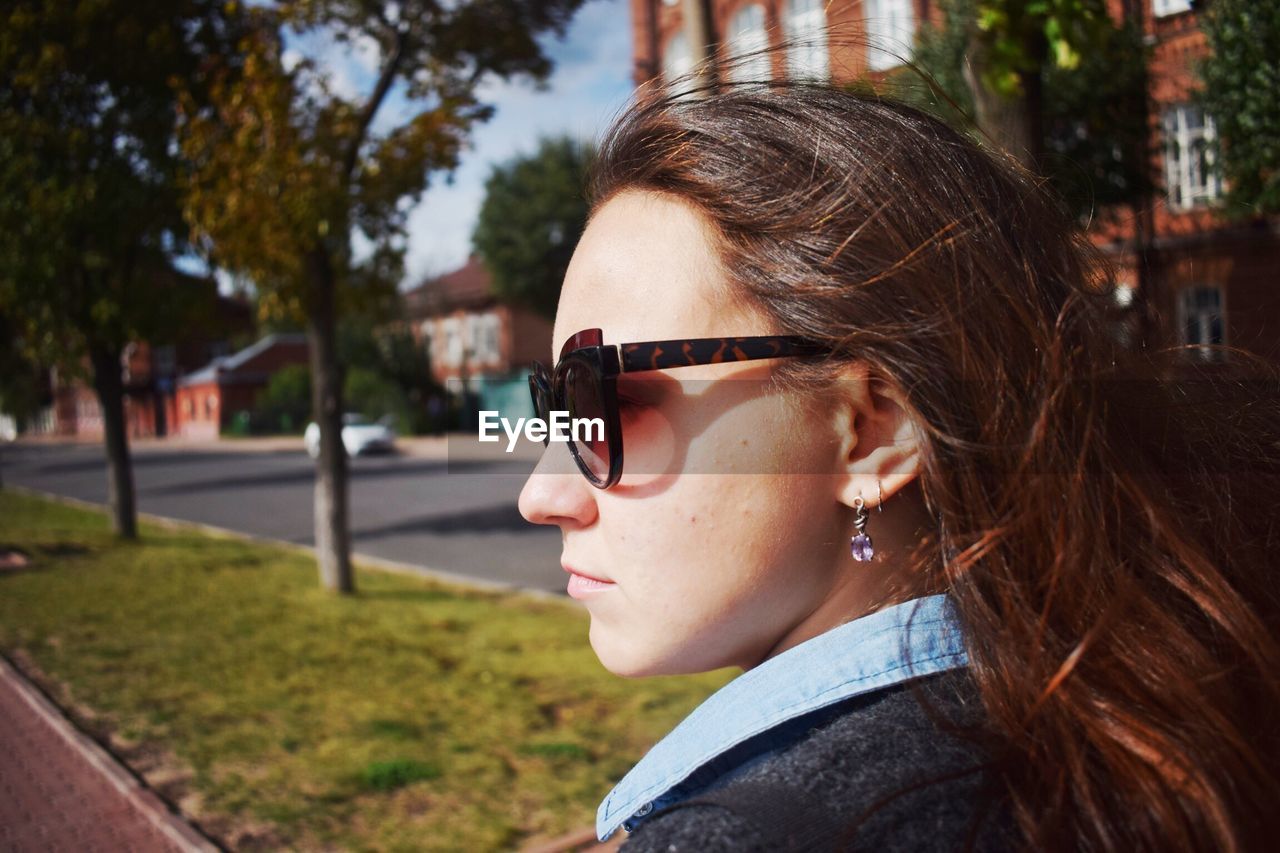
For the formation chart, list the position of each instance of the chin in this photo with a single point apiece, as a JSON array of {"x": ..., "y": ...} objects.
[
  {"x": 624, "y": 659},
  {"x": 640, "y": 660}
]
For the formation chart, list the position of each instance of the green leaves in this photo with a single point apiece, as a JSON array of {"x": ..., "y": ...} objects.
[
  {"x": 89, "y": 217},
  {"x": 284, "y": 167},
  {"x": 1242, "y": 93},
  {"x": 1021, "y": 34},
  {"x": 533, "y": 213}
]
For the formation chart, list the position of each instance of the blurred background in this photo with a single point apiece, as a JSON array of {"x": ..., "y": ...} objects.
[{"x": 261, "y": 265}]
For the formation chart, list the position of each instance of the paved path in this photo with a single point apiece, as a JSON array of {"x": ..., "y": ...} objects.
[
  {"x": 439, "y": 509},
  {"x": 60, "y": 793}
]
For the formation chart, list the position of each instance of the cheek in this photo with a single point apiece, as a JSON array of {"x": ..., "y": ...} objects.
[
  {"x": 749, "y": 486},
  {"x": 766, "y": 436},
  {"x": 717, "y": 542},
  {"x": 727, "y": 566}
]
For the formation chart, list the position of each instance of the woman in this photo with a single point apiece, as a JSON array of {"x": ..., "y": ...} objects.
[{"x": 986, "y": 590}]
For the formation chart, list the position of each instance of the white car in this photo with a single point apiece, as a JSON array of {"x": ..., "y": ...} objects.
[{"x": 359, "y": 435}]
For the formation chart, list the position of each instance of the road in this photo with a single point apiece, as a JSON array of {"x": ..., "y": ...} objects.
[{"x": 441, "y": 514}]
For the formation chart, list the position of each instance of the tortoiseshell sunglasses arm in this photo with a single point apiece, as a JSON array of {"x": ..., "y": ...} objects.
[{"x": 659, "y": 355}]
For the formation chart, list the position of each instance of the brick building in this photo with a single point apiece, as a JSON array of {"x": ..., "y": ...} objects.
[
  {"x": 206, "y": 400},
  {"x": 468, "y": 331},
  {"x": 150, "y": 374},
  {"x": 476, "y": 340},
  {"x": 1208, "y": 281}
]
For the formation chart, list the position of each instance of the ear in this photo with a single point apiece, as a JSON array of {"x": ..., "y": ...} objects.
[{"x": 879, "y": 443}]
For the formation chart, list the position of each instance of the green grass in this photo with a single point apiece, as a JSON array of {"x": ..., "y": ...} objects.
[{"x": 414, "y": 715}]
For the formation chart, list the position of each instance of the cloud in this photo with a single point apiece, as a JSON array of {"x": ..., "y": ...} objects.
[
  {"x": 590, "y": 84},
  {"x": 349, "y": 68}
]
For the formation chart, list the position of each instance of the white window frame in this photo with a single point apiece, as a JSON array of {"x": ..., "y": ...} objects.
[
  {"x": 677, "y": 62},
  {"x": 1164, "y": 8},
  {"x": 891, "y": 26},
  {"x": 1189, "y": 310},
  {"x": 805, "y": 23},
  {"x": 1189, "y": 180},
  {"x": 746, "y": 34}
]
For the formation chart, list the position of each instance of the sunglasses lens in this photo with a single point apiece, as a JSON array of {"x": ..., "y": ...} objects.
[{"x": 584, "y": 398}]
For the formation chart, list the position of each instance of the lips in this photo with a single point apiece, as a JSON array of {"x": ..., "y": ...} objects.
[{"x": 574, "y": 571}]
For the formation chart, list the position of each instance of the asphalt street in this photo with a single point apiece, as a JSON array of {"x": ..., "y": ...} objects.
[{"x": 447, "y": 515}]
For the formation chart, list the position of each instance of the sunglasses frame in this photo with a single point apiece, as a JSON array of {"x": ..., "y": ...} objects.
[{"x": 604, "y": 362}]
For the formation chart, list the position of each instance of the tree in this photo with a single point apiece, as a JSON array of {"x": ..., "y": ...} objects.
[
  {"x": 533, "y": 213},
  {"x": 395, "y": 368},
  {"x": 283, "y": 406},
  {"x": 1092, "y": 121},
  {"x": 1009, "y": 45},
  {"x": 89, "y": 213},
  {"x": 1065, "y": 87},
  {"x": 22, "y": 382},
  {"x": 284, "y": 167},
  {"x": 1241, "y": 87}
]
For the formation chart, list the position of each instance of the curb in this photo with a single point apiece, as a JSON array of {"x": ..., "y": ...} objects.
[
  {"x": 160, "y": 814},
  {"x": 368, "y": 561},
  {"x": 450, "y": 447}
]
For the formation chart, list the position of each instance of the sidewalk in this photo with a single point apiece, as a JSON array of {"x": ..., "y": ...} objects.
[
  {"x": 60, "y": 791},
  {"x": 454, "y": 446}
]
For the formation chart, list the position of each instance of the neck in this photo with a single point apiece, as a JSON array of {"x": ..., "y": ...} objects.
[{"x": 856, "y": 589}]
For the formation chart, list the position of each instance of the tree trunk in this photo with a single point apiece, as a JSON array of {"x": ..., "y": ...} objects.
[
  {"x": 109, "y": 385},
  {"x": 1007, "y": 121},
  {"x": 333, "y": 536},
  {"x": 697, "y": 23},
  {"x": 1146, "y": 301}
]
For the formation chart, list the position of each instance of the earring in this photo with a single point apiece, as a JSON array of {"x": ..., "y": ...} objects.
[{"x": 860, "y": 545}]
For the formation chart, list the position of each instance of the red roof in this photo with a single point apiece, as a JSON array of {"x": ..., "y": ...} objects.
[{"x": 465, "y": 287}]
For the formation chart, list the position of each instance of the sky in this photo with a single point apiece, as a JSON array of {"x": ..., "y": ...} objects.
[{"x": 591, "y": 83}]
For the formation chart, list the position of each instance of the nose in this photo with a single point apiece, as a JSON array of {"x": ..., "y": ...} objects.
[{"x": 556, "y": 492}]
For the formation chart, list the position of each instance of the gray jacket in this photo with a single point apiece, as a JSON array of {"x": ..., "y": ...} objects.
[{"x": 882, "y": 760}]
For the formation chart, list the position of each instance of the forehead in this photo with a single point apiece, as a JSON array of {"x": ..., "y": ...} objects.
[{"x": 645, "y": 269}]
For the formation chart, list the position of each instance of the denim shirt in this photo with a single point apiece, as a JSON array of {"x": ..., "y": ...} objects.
[{"x": 773, "y": 704}]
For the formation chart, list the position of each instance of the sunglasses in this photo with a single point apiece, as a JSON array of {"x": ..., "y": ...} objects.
[{"x": 584, "y": 383}]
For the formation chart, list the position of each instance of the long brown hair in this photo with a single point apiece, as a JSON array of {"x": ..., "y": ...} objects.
[{"x": 1105, "y": 523}]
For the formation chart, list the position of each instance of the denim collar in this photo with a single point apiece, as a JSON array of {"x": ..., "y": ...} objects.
[{"x": 747, "y": 715}]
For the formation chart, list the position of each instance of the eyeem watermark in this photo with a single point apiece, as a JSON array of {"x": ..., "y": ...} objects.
[{"x": 559, "y": 428}]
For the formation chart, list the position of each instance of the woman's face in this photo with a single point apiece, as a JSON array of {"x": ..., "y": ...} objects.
[{"x": 724, "y": 534}]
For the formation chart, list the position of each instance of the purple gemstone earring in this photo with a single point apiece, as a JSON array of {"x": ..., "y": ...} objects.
[{"x": 860, "y": 545}]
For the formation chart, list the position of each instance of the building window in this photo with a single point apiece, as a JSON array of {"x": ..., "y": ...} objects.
[
  {"x": 747, "y": 36},
  {"x": 1202, "y": 319},
  {"x": 891, "y": 27},
  {"x": 1190, "y": 164},
  {"x": 677, "y": 62},
  {"x": 806, "y": 27},
  {"x": 485, "y": 336},
  {"x": 1170, "y": 7},
  {"x": 454, "y": 345}
]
